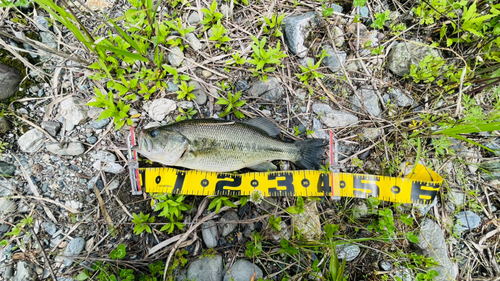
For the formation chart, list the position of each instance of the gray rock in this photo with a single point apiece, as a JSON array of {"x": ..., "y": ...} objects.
[
  {"x": 338, "y": 118},
  {"x": 97, "y": 181},
  {"x": 227, "y": 228},
  {"x": 347, "y": 251},
  {"x": 206, "y": 269},
  {"x": 371, "y": 133},
  {"x": 6, "y": 187},
  {"x": 305, "y": 62},
  {"x": 7, "y": 206},
  {"x": 159, "y": 108},
  {"x": 114, "y": 185},
  {"x": 457, "y": 197},
  {"x": 321, "y": 108},
  {"x": 308, "y": 222},
  {"x": 431, "y": 240},
  {"x": 241, "y": 85},
  {"x": 466, "y": 220},
  {"x": 31, "y": 141},
  {"x": 385, "y": 265},
  {"x": 4, "y": 125},
  {"x": 425, "y": 208},
  {"x": 6, "y": 169},
  {"x": 110, "y": 167},
  {"x": 404, "y": 54},
  {"x": 175, "y": 57},
  {"x": 104, "y": 156},
  {"x": 364, "y": 12},
  {"x": 201, "y": 97},
  {"x": 337, "y": 8},
  {"x": 335, "y": 60},
  {"x": 370, "y": 100},
  {"x": 49, "y": 40},
  {"x": 243, "y": 270},
  {"x": 99, "y": 124},
  {"x": 72, "y": 148},
  {"x": 400, "y": 98},
  {"x": 271, "y": 90},
  {"x": 404, "y": 274},
  {"x": 317, "y": 127},
  {"x": 296, "y": 29},
  {"x": 193, "y": 42},
  {"x": 171, "y": 87},
  {"x": 25, "y": 271},
  {"x": 52, "y": 127},
  {"x": 73, "y": 110},
  {"x": 194, "y": 19},
  {"x": 210, "y": 234},
  {"x": 49, "y": 227},
  {"x": 9, "y": 81},
  {"x": 74, "y": 248},
  {"x": 338, "y": 35},
  {"x": 91, "y": 140},
  {"x": 285, "y": 233},
  {"x": 185, "y": 104},
  {"x": 42, "y": 21}
]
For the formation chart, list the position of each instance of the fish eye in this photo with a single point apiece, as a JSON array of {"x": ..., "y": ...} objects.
[{"x": 154, "y": 133}]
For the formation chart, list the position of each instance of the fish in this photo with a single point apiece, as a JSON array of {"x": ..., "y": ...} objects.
[{"x": 216, "y": 145}]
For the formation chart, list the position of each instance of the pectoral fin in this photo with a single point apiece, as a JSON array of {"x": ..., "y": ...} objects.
[{"x": 264, "y": 167}]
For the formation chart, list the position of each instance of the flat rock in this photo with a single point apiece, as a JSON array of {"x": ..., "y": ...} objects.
[
  {"x": 347, "y": 251},
  {"x": 210, "y": 234},
  {"x": 31, "y": 141},
  {"x": 229, "y": 227},
  {"x": 431, "y": 240},
  {"x": 72, "y": 148},
  {"x": 7, "y": 207},
  {"x": 175, "y": 57},
  {"x": 6, "y": 187},
  {"x": 226, "y": 10},
  {"x": 466, "y": 220},
  {"x": 400, "y": 98},
  {"x": 307, "y": 61},
  {"x": 52, "y": 127},
  {"x": 321, "y": 108},
  {"x": 243, "y": 270},
  {"x": 73, "y": 110},
  {"x": 171, "y": 87},
  {"x": 269, "y": 91},
  {"x": 111, "y": 167},
  {"x": 104, "y": 156},
  {"x": 371, "y": 133},
  {"x": 308, "y": 222},
  {"x": 74, "y": 248},
  {"x": 206, "y": 269},
  {"x": 159, "y": 108},
  {"x": 25, "y": 271},
  {"x": 317, "y": 128},
  {"x": 335, "y": 60},
  {"x": 404, "y": 54},
  {"x": 296, "y": 29},
  {"x": 200, "y": 97},
  {"x": 338, "y": 35},
  {"x": 185, "y": 104},
  {"x": 285, "y": 233},
  {"x": 6, "y": 169},
  {"x": 194, "y": 42},
  {"x": 338, "y": 118},
  {"x": 194, "y": 19},
  {"x": 4, "y": 125},
  {"x": 370, "y": 101},
  {"x": 9, "y": 81},
  {"x": 241, "y": 85}
]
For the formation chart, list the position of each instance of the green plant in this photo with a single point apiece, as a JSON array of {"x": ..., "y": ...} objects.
[
  {"x": 3, "y": 146},
  {"x": 185, "y": 91},
  {"x": 218, "y": 201},
  {"x": 272, "y": 25},
  {"x": 254, "y": 247},
  {"x": 380, "y": 19},
  {"x": 119, "y": 112},
  {"x": 275, "y": 223},
  {"x": 173, "y": 71},
  {"x": 287, "y": 248},
  {"x": 105, "y": 272},
  {"x": 177, "y": 26},
  {"x": 299, "y": 208},
  {"x": 17, "y": 3},
  {"x": 186, "y": 114},
  {"x": 385, "y": 225},
  {"x": 179, "y": 260},
  {"x": 171, "y": 207},
  {"x": 141, "y": 222},
  {"x": 211, "y": 16},
  {"x": 233, "y": 104},
  {"x": 310, "y": 73},
  {"x": 16, "y": 230},
  {"x": 296, "y": 130},
  {"x": 219, "y": 35},
  {"x": 428, "y": 69},
  {"x": 237, "y": 59},
  {"x": 261, "y": 58}
]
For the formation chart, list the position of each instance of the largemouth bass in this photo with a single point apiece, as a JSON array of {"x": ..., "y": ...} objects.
[{"x": 223, "y": 146}]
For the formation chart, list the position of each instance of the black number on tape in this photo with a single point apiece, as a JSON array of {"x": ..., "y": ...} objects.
[
  {"x": 179, "y": 181},
  {"x": 364, "y": 186},
  {"x": 423, "y": 192},
  {"x": 396, "y": 189},
  {"x": 286, "y": 182},
  {"x": 204, "y": 182},
  {"x": 254, "y": 183},
  {"x": 219, "y": 187},
  {"x": 305, "y": 182},
  {"x": 324, "y": 184}
]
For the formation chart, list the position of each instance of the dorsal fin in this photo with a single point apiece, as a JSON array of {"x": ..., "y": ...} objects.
[{"x": 264, "y": 124}]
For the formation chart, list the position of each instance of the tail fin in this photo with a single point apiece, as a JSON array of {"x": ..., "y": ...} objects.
[{"x": 311, "y": 153}]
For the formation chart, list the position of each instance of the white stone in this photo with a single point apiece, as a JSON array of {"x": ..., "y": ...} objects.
[
  {"x": 74, "y": 110},
  {"x": 31, "y": 141},
  {"x": 175, "y": 57},
  {"x": 159, "y": 108}
]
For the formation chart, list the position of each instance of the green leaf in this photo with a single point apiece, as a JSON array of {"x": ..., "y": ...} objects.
[
  {"x": 359, "y": 3},
  {"x": 82, "y": 276}
]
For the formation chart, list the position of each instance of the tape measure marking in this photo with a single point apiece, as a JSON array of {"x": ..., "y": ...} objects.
[{"x": 421, "y": 188}]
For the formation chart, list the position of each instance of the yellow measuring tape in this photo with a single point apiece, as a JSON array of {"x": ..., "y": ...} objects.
[{"x": 419, "y": 187}]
